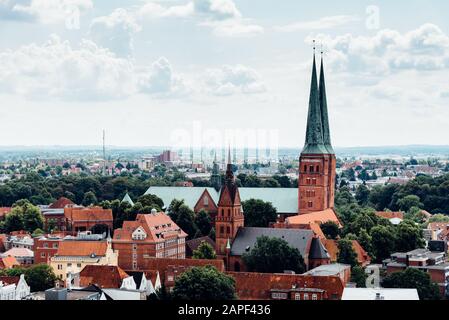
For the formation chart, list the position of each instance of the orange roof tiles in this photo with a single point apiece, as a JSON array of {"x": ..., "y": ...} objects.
[
  {"x": 257, "y": 286},
  {"x": 102, "y": 276},
  {"x": 61, "y": 203},
  {"x": 19, "y": 252},
  {"x": 390, "y": 214},
  {"x": 317, "y": 217},
  {"x": 157, "y": 226},
  {"x": 9, "y": 280},
  {"x": 8, "y": 262},
  {"x": 88, "y": 214},
  {"x": 162, "y": 264},
  {"x": 82, "y": 248},
  {"x": 332, "y": 248}
]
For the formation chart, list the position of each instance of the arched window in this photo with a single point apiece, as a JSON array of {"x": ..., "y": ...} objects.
[
  {"x": 317, "y": 168},
  {"x": 305, "y": 168},
  {"x": 311, "y": 168},
  {"x": 222, "y": 212},
  {"x": 229, "y": 212}
]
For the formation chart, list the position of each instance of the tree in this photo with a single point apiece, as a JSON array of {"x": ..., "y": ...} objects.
[
  {"x": 346, "y": 253},
  {"x": 151, "y": 201},
  {"x": 365, "y": 240},
  {"x": 185, "y": 220},
  {"x": 39, "y": 277},
  {"x": 258, "y": 213},
  {"x": 409, "y": 236},
  {"x": 383, "y": 242},
  {"x": 204, "y": 283},
  {"x": 409, "y": 201},
  {"x": 362, "y": 194},
  {"x": 204, "y": 251},
  {"x": 203, "y": 222},
  {"x": 173, "y": 208},
  {"x": 273, "y": 255},
  {"x": 24, "y": 216},
  {"x": 439, "y": 218},
  {"x": 14, "y": 221},
  {"x": 358, "y": 276},
  {"x": 413, "y": 278},
  {"x": 330, "y": 229},
  {"x": 89, "y": 199}
]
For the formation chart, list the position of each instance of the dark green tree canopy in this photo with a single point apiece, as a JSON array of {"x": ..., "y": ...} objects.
[
  {"x": 413, "y": 278},
  {"x": 204, "y": 251},
  {"x": 258, "y": 213},
  {"x": 204, "y": 283},
  {"x": 273, "y": 255}
]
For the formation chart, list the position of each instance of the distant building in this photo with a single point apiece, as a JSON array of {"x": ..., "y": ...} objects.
[
  {"x": 379, "y": 294},
  {"x": 150, "y": 235},
  {"x": 83, "y": 219},
  {"x": 8, "y": 262},
  {"x": 46, "y": 247}
]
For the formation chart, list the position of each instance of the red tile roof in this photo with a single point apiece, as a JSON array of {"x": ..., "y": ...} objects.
[
  {"x": 82, "y": 248},
  {"x": 8, "y": 262},
  {"x": 158, "y": 227},
  {"x": 4, "y": 211},
  {"x": 390, "y": 214},
  {"x": 61, "y": 203},
  {"x": 162, "y": 264},
  {"x": 257, "y": 286},
  {"x": 19, "y": 252},
  {"x": 9, "y": 280},
  {"x": 78, "y": 214},
  {"x": 102, "y": 276},
  {"x": 435, "y": 226},
  {"x": 317, "y": 217}
]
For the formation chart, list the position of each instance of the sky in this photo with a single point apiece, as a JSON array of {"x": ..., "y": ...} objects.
[{"x": 218, "y": 72}]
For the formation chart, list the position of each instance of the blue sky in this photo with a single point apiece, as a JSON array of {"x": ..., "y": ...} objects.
[{"x": 156, "y": 72}]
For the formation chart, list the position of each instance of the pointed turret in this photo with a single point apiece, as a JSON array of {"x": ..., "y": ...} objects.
[
  {"x": 314, "y": 133},
  {"x": 324, "y": 114},
  {"x": 215, "y": 177},
  {"x": 229, "y": 172}
]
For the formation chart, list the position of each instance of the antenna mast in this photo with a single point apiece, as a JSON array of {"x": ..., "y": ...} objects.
[{"x": 104, "y": 153}]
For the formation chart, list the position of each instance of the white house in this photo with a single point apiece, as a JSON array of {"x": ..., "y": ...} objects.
[
  {"x": 379, "y": 294},
  {"x": 14, "y": 288}
]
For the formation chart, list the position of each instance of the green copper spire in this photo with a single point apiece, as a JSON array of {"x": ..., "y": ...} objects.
[
  {"x": 314, "y": 134},
  {"x": 324, "y": 115}
]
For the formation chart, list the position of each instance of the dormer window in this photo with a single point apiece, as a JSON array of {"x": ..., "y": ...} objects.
[{"x": 139, "y": 234}]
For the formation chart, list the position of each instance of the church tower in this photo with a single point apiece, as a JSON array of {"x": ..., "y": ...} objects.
[
  {"x": 215, "y": 178},
  {"x": 230, "y": 215},
  {"x": 317, "y": 162}
]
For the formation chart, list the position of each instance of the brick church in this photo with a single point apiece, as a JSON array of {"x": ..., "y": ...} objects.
[{"x": 317, "y": 166}]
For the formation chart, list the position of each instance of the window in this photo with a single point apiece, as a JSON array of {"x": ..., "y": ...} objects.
[
  {"x": 308, "y": 181},
  {"x": 222, "y": 212},
  {"x": 221, "y": 230},
  {"x": 306, "y": 296},
  {"x": 59, "y": 266},
  {"x": 42, "y": 254},
  {"x": 206, "y": 201},
  {"x": 297, "y": 296},
  {"x": 55, "y": 245},
  {"x": 78, "y": 265},
  {"x": 311, "y": 169},
  {"x": 69, "y": 264},
  {"x": 134, "y": 246},
  {"x": 229, "y": 212},
  {"x": 314, "y": 296},
  {"x": 313, "y": 181},
  {"x": 228, "y": 230},
  {"x": 305, "y": 168},
  {"x": 310, "y": 204},
  {"x": 45, "y": 245},
  {"x": 279, "y": 295},
  {"x": 134, "y": 265},
  {"x": 317, "y": 168}
]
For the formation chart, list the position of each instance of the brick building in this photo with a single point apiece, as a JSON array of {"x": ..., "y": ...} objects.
[
  {"x": 150, "y": 235},
  {"x": 317, "y": 163},
  {"x": 282, "y": 286},
  {"x": 83, "y": 219},
  {"x": 45, "y": 247}
]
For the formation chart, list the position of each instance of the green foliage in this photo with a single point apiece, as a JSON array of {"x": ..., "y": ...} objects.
[
  {"x": 409, "y": 236},
  {"x": 330, "y": 229},
  {"x": 204, "y": 251},
  {"x": 346, "y": 253},
  {"x": 358, "y": 276},
  {"x": 439, "y": 218},
  {"x": 258, "y": 213},
  {"x": 383, "y": 242},
  {"x": 24, "y": 216},
  {"x": 39, "y": 277},
  {"x": 408, "y": 202},
  {"x": 204, "y": 283},
  {"x": 362, "y": 195},
  {"x": 184, "y": 217},
  {"x": 273, "y": 255},
  {"x": 203, "y": 221},
  {"x": 413, "y": 278},
  {"x": 89, "y": 199}
]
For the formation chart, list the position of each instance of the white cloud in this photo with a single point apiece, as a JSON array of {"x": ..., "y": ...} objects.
[
  {"x": 229, "y": 80},
  {"x": 426, "y": 48},
  {"x": 44, "y": 11},
  {"x": 161, "y": 80},
  {"x": 222, "y": 16},
  {"x": 58, "y": 70},
  {"x": 320, "y": 24},
  {"x": 115, "y": 31}
]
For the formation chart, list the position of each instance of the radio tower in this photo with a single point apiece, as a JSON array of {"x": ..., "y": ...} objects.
[{"x": 104, "y": 154}]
